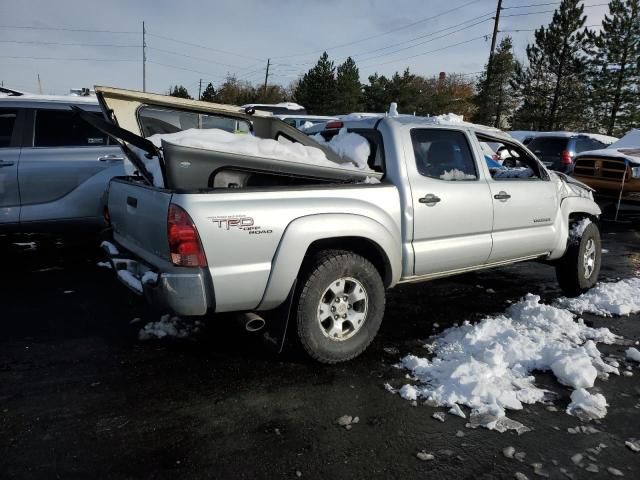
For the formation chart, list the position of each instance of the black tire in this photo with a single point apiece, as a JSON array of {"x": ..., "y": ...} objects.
[
  {"x": 319, "y": 274},
  {"x": 571, "y": 268}
]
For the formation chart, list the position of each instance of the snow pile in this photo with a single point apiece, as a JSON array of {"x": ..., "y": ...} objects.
[
  {"x": 446, "y": 118},
  {"x": 587, "y": 406},
  {"x": 393, "y": 109},
  {"x": 607, "y": 299},
  {"x": 168, "y": 326},
  {"x": 241, "y": 144},
  {"x": 633, "y": 354},
  {"x": 351, "y": 147},
  {"x": 487, "y": 366},
  {"x": 130, "y": 280},
  {"x": 455, "y": 174}
]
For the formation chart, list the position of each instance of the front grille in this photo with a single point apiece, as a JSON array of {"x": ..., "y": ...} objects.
[{"x": 607, "y": 168}]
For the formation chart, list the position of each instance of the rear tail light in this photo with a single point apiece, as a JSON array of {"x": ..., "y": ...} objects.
[
  {"x": 184, "y": 242},
  {"x": 334, "y": 124},
  {"x": 565, "y": 156}
]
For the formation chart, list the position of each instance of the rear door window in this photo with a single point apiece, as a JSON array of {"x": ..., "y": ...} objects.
[
  {"x": 63, "y": 128},
  {"x": 443, "y": 154},
  {"x": 7, "y": 125}
]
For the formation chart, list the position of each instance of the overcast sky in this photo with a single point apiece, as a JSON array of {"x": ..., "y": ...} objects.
[{"x": 239, "y": 35}]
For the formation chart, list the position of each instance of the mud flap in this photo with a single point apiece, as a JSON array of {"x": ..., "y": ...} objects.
[{"x": 276, "y": 322}]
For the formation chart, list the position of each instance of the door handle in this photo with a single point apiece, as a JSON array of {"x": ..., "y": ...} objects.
[
  {"x": 430, "y": 199},
  {"x": 502, "y": 196},
  {"x": 5, "y": 163},
  {"x": 109, "y": 158}
]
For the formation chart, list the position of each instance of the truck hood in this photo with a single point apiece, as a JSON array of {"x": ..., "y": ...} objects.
[{"x": 631, "y": 155}]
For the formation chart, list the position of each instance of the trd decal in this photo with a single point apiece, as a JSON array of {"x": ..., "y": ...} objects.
[{"x": 239, "y": 222}]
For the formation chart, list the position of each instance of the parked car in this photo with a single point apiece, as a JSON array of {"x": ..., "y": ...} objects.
[
  {"x": 614, "y": 170},
  {"x": 523, "y": 136},
  {"x": 557, "y": 150},
  {"x": 304, "y": 122},
  {"x": 325, "y": 254},
  {"x": 54, "y": 167},
  {"x": 283, "y": 108}
]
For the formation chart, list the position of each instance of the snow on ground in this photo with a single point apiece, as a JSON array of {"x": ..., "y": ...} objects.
[
  {"x": 351, "y": 147},
  {"x": 487, "y": 366},
  {"x": 606, "y": 299},
  {"x": 633, "y": 354},
  {"x": 168, "y": 326},
  {"x": 218, "y": 140}
]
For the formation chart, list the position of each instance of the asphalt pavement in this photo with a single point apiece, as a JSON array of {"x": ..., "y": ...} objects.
[{"x": 82, "y": 397}]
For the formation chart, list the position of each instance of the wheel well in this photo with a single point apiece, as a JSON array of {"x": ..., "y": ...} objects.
[
  {"x": 359, "y": 245},
  {"x": 573, "y": 216}
]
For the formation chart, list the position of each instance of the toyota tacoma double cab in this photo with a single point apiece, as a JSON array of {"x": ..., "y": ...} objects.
[{"x": 322, "y": 249}]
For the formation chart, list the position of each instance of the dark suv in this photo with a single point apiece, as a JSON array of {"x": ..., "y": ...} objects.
[{"x": 558, "y": 150}]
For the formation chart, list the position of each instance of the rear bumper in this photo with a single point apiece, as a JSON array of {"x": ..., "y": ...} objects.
[{"x": 183, "y": 291}]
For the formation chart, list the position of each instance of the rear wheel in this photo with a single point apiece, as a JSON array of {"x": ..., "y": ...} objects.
[
  {"x": 577, "y": 271},
  {"x": 340, "y": 306}
]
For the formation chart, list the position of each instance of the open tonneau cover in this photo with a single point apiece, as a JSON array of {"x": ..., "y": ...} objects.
[{"x": 186, "y": 167}]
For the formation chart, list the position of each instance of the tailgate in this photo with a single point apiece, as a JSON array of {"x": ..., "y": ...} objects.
[{"x": 139, "y": 218}]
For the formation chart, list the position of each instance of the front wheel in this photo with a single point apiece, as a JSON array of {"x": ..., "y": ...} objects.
[
  {"x": 340, "y": 306},
  {"x": 577, "y": 271}
]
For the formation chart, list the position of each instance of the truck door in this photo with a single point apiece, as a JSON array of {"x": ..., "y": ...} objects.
[
  {"x": 452, "y": 204},
  {"x": 525, "y": 207},
  {"x": 10, "y": 138}
]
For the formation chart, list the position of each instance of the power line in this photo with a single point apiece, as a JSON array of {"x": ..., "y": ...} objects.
[
  {"x": 91, "y": 30},
  {"x": 530, "y": 5},
  {"x": 379, "y": 34},
  {"x": 426, "y": 41},
  {"x": 186, "y": 69},
  {"x": 435, "y": 50},
  {"x": 70, "y": 44},
  {"x": 194, "y": 57},
  {"x": 203, "y": 46},
  {"x": 550, "y": 11},
  {"x": 535, "y": 29},
  {"x": 70, "y": 59}
]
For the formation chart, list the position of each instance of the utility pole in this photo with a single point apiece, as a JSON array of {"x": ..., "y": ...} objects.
[
  {"x": 496, "y": 22},
  {"x": 200, "y": 90},
  {"x": 266, "y": 77},
  {"x": 495, "y": 28},
  {"x": 144, "y": 59},
  {"x": 39, "y": 85}
]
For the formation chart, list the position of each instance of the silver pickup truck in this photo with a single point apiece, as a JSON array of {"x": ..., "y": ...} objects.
[{"x": 323, "y": 252}]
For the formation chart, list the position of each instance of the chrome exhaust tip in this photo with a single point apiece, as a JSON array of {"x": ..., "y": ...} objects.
[{"x": 252, "y": 322}]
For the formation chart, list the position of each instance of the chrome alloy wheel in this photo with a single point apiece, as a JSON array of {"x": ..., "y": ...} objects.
[
  {"x": 589, "y": 258},
  {"x": 342, "y": 309}
]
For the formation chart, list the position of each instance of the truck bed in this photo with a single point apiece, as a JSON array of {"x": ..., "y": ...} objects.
[{"x": 241, "y": 230}]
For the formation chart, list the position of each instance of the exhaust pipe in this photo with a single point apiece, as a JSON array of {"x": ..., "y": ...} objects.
[{"x": 252, "y": 322}]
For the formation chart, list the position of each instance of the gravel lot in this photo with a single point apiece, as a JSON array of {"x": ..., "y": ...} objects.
[{"x": 81, "y": 396}]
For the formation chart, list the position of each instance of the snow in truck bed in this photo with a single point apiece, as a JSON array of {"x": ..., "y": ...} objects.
[{"x": 352, "y": 148}]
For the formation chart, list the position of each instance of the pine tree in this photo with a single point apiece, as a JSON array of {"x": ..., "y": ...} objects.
[
  {"x": 348, "y": 88},
  {"x": 376, "y": 96},
  {"x": 317, "y": 88},
  {"x": 553, "y": 85},
  {"x": 180, "y": 92},
  {"x": 615, "y": 70},
  {"x": 495, "y": 100},
  {"x": 209, "y": 94}
]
